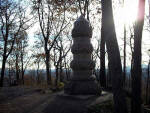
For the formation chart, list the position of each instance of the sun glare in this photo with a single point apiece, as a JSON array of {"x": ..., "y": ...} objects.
[{"x": 130, "y": 11}]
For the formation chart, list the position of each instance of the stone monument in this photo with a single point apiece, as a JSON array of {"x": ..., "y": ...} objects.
[{"x": 82, "y": 81}]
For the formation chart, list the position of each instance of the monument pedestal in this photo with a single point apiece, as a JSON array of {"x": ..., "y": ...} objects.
[{"x": 82, "y": 87}]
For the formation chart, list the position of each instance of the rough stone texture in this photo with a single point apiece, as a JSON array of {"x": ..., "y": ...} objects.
[{"x": 82, "y": 82}]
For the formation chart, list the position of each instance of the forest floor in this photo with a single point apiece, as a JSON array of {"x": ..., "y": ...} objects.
[
  {"x": 21, "y": 99},
  {"x": 24, "y": 99}
]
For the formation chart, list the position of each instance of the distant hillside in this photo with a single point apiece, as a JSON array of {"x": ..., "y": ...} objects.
[{"x": 43, "y": 71}]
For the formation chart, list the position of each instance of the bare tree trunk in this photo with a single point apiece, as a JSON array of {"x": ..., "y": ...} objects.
[
  {"x": 3, "y": 70},
  {"x": 147, "y": 84},
  {"x": 22, "y": 68},
  {"x": 124, "y": 63},
  {"x": 61, "y": 74},
  {"x": 56, "y": 79},
  {"x": 50, "y": 72},
  {"x": 114, "y": 58},
  {"x": 3, "y": 64},
  {"x": 47, "y": 53},
  {"x": 37, "y": 72},
  {"x": 137, "y": 71},
  {"x": 60, "y": 66},
  {"x": 102, "y": 57},
  {"x": 17, "y": 69},
  {"x": 9, "y": 74},
  {"x": 47, "y": 68}
]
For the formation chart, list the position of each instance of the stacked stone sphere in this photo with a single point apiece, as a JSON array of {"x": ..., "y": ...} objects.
[{"x": 82, "y": 82}]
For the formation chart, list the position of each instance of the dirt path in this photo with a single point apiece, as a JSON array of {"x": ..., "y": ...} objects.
[
  {"x": 75, "y": 103},
  {"x": 27, "y": 101},
  {"x": 30, "y": 100},
  {"x": 9, "y": 93}
]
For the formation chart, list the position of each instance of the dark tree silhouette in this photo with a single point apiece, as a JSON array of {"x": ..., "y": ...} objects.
[
  {"x": 12, "y": 21},
  {"x": 147, "y": 82},
  {"x": 102, "y": 53},
  {"x": 137, "y": 71},
  {"x": 113, "y": 57},
  {"x": 60, "y": 52},
  {"x": 50, "y": 17},
  {"x": 124, "y": 51}
]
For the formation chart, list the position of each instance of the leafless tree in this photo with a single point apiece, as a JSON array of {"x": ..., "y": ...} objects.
[
  {"x": 12, "y": 21},
  {"x": 137, "y": 71},
  {"x": 113, "y": 57},
  {"x": 147, "y": 82},
  {"x": 20, "y": 55},
  {"x": 60, "y": 52},
  {"x": 51, "y": 15},
  {"x": 102, "y": 53}
]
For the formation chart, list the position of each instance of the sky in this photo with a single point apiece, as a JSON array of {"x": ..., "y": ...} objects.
[
  {"x": 122, "y": 15},
  {"x": 128, "y": 15}
]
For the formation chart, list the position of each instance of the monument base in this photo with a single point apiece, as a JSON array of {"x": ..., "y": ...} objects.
[{"x": 82, "y": 87}]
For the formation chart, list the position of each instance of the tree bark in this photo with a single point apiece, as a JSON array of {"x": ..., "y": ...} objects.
[
  {"x": 124, "y": 63},
  {"x": 137, "y": 71},
  {"x": 102, "y": 56},
  {"x": 3, "y": 71},
  {"x": 114, "y": 58},
  {"x": 61, "y": 74},
  {"x": 56, "y": 79},
  {"x": 37, "y": 72},
  {"x": 47, "y": 68},
  {"x": 22, "y": 64},
  {"x": 3, "y": 64},
  {"x": 60, "y": 66},
  {"x": 17, "y": 69},
  {"x": 147, "y": 84},
  {"x": 22, "y": 69}
]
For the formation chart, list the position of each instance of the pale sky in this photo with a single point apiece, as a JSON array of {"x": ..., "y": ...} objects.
[
  {"x": 128, "y": 16},
  {"x": 121, "y": 15}
]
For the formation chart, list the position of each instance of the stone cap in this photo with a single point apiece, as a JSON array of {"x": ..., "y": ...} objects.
[{"x": 82, "y": 28}]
